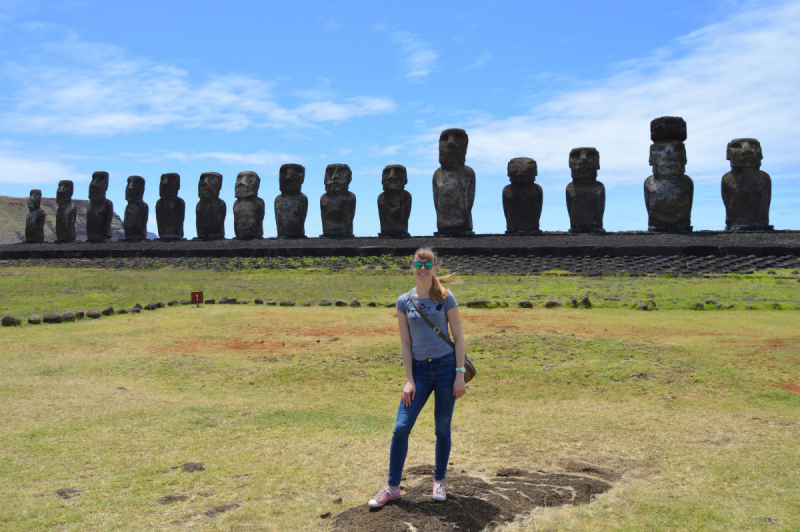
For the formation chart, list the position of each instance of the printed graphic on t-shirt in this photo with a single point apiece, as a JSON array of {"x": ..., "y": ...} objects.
[{"x": 430, "y": 309}]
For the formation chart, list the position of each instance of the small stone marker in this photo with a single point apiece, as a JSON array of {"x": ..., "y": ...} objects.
[
  {"x": 34, "y": 320},
  {"x": 52, "y": 317},
  {"x": 10, "y": 321}
]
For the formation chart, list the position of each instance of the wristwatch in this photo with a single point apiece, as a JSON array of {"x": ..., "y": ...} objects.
[{"x": 462, "y": 370}]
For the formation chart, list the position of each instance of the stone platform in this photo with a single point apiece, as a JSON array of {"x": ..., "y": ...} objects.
[{"x": 555, "y": 244}]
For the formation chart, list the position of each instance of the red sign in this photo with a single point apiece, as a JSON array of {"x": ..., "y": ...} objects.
[{"x": 197, "y": 297}]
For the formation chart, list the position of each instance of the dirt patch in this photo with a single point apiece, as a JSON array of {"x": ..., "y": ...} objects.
[
  {"x": 586, "y": 468},
  {"x": 172, "y": 498},
  {"x": 232, "y": 345},
  {"x": 487, "y": 323},
  {"x": 472, "y": 504},
  {"x": 191, "y": 467},
  {"x": 221, "y": 509},
  {"x": 789, "y": 386},
  {"x": 774, "y": 344},
  {"x": 67, "y": 493}
]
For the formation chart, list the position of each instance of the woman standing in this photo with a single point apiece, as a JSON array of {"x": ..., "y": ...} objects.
[{"x": 431, "y": 367}]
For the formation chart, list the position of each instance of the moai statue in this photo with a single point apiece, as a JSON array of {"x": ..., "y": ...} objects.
[
  {"x": 668, "y": 193},
  {"x": 746, "y": 190},
  {"x": 586, "y": 196},
  {"x": 210, "y": 210},
  {"x": 34, "y": 223},
  {"x": 65, "y": 215},
  {"x": 100, "y": 211},
  {"x": 453, "y": 185},
  {"x": 136, "y": 212},
  {"x": 522, "y": 199},
  {"x": 394, "y": 203},
  {"x": 170, "y": 209},
  {"x": 248, "y": 209},
  {"x": 338, "y": 204},
  {"x": 291, "y": 205}
]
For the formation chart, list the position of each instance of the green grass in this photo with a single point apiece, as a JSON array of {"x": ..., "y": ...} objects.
[
  {"x": 29, "y": 291},
  {"x": 291, "y": 408}
]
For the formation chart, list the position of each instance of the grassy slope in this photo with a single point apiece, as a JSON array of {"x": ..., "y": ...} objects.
[
  {"x": 12, "y": 222},
  {"x": 290, "y": 408},
  {"x": 14, "y": 213}
]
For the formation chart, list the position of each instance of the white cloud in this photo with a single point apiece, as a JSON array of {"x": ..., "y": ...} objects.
[
  {"x": 383, "y": 151},
  {"x": 35, "y": 172},
  {"x": 418, "y": 58},
  {"x": 730, "y": 79},
  {"x": 479, "y": 63},
  {"x": 262, "y": 158},
  {"x": 330, "y": 111},
  {"x": 97, "y": 89}
]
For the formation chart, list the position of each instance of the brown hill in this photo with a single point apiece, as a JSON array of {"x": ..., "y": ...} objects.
[{"x": 14, "y": 212}]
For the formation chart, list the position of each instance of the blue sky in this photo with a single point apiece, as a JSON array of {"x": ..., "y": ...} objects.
[{"x": 145, "y": 88}]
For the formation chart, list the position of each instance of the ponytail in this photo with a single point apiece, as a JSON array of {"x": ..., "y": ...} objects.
[{"x": 438, "y": 292}]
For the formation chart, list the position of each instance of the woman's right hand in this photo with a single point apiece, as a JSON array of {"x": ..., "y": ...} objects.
[{"x": 408, "y": 393}]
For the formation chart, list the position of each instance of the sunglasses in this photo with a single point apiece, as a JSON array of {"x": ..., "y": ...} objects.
[{"x": 418, "y": 265}]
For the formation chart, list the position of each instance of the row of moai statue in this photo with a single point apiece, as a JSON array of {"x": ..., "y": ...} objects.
[{"x": 668, "y": 195}]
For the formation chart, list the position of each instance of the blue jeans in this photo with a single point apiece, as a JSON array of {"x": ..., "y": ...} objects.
[{"x": 435, "y": 375}]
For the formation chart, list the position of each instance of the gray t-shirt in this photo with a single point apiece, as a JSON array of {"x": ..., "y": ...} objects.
[{"x": 425, "y": 343}]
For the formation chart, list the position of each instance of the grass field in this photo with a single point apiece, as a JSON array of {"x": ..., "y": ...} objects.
[
  {"x": 27, "y": 291},
  {"x": 696, "y": 413}
]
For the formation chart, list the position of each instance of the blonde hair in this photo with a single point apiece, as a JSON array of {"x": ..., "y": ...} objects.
[{"x": 438, "y": 292}]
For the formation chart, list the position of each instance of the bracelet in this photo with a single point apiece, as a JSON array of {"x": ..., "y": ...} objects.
[{"x": 462, "y": 370}]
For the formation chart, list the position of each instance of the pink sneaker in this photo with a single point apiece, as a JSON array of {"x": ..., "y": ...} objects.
[
  {"x": 439, "y": 492},
  {"x": 383, "y": 496}
]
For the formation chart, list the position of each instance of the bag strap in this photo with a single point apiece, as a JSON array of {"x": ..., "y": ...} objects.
[{"x": 436, "y": 329}]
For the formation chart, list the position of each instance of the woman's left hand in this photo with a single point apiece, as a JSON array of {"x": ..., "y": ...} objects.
[{"x": 459, "y": 387}]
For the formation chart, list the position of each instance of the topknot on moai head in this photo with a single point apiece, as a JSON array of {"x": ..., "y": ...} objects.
[
  {"x": 209, "y": 185},
  {"x": 453, "y": 144},
  {"x": 291, "y": 178},
  {"x": 35, "y": 199},
  {"x": 64, "y": 192},
  {"x": 522, "y": 170},
  {"x": 394, "y": 177},
  {"x": 337, "y": 178},
  {"x": 584, "y": 163},
  {"x": 247, "y": 184},
  {"x": 668, "y": 128},
  {"x": 169, "y": 186},
  {"x": 135, "y": 189},
  {"x": 744, "y": 152}
]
